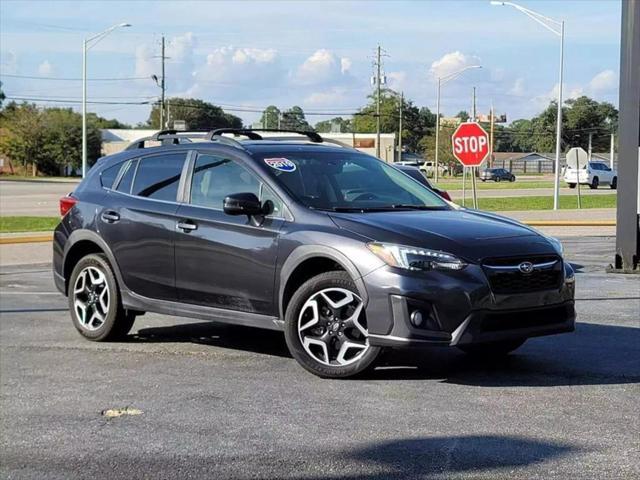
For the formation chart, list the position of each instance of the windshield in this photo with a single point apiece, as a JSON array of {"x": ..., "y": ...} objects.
[{"x": 349, "y": 181}]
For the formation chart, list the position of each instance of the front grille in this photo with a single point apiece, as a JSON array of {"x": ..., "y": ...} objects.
[
  {"x": 494, "y": 322},
  {"x": 506, "y": 278}
]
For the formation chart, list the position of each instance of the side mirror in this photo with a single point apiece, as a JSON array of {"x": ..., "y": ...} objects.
[{"x": 243, "y": 204}]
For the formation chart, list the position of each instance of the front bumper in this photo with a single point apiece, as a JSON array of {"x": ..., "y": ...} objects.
[{"x": 459, "y": 308}]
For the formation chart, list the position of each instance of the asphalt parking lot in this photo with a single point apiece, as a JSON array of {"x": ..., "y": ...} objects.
[{"x": 228, "y": 402}]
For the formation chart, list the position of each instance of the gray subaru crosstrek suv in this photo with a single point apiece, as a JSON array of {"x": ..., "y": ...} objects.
[{"x": 344, "y": 253}]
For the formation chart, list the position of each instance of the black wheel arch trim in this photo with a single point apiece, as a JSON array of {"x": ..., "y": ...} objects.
[
  {"x": 307, "y": 252},
  {"x": 88, "y": 235}
]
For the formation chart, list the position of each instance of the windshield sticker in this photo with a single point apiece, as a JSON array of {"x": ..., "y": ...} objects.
[{"x": 282, "y": 164}]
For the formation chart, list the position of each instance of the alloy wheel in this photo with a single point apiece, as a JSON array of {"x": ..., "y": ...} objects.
[
  {"x": 91, "y": 298},
  {"x": 332, "y": 327}
]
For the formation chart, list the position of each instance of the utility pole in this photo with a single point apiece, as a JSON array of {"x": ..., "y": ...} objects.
[
  {"x": 400, "y": 128},
  {"x": 612, "y": 151},
  {"x": 491, "y": 137},
  {"x": 590, "y": 144},
  {"x": 162, "y": 86},
  {"x": 378, "y": 66},
  {"x": 473, "y": 106}
]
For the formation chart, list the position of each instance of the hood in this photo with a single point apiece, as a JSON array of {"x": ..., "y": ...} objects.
[{"x": 469, "y": 234}]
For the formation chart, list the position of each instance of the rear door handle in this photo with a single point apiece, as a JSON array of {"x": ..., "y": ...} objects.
[
  {"x": 187, "y": 226},
  {"x": 110, "y": 217}
]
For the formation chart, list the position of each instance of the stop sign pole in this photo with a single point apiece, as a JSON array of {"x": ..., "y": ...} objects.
[{"x": 470, "y": 144}]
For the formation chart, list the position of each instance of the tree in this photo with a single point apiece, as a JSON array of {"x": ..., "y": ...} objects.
[
  {"x": 462, "y": 115},
  {"x": 47, "y": 139},
  {"x": 416, "y": 122},
  {"x": 325, "y": 126},
  {"x": 197, "y": 114},
  {"x": 294, "y": 119},
  {"x": 270, "y": 117},
  {"x": 101, "y": 122}
]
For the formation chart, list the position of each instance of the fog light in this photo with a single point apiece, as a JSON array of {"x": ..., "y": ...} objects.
[{"x": 416, "y": 318}]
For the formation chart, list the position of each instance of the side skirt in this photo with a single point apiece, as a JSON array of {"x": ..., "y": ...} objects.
[{"x": 134, "y": 301}]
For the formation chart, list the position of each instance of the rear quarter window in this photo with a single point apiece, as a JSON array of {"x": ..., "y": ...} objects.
[{"x": 109, "y": 175}]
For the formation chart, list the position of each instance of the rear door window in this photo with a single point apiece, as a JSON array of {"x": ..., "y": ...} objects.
[
  {"x": 124, "y": 185},
  {"x": 158, "y": 177}
]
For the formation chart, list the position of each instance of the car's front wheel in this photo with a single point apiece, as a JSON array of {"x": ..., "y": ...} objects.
[
  {"x": 492, "y": 349},
  {"x": 594, "y": 183},
  {"x": 326, "y": 327},
  {"x": 614, "y": 183},
  {"x": 94, "y": 300},
  {"x": 498, "y": 179},
  {"x": 572, "y": 185}
]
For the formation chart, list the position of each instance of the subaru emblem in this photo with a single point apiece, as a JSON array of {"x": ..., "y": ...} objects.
[{"x": 526, "y": 267}]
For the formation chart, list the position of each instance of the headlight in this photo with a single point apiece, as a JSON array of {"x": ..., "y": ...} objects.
[
  {"x": 557, "y": 245},
  {"x": 413, "y": 258}
]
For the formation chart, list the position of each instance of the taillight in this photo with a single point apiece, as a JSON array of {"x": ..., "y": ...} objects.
[
  {"x": 445, "y": 195},
  {"x": 66, "y": 204}
]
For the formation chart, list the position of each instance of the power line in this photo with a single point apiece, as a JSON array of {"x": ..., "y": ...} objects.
[{"x": 33, "y": 77}]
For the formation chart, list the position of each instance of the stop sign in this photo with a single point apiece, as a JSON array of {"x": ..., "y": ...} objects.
[{"x": 470, "y": 144}]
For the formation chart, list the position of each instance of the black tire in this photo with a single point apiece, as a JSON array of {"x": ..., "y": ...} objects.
[
  {"x": 492, "y": 349},
  {"x": 572, "y": 185},
  {"x": 334, "y": 279},
  {"x": 483, "y": 180},
  {"x": 117, "y": 321},
  {"x": 594, "y": 183},
  {"x": 513, "y": 178},
  {"x": 614, "y": 183},
  {"x": 498, "y": 179}
]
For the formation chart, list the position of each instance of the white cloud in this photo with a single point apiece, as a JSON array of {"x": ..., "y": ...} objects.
[
  {"x": 45, "y": 68},
  {"x": 397, "y": 80},
  {"x": 345, "y": 65},
  {"x": 452, "y": 62},
  {"x": 322, "y": 67},
  {"x": 8, "y": 63},
  {"x": 330, "y": 98},
  {"x": 518, "y": 87},
  {"x": 603, "y": 82},
  {"x": 238, "y": 72}
]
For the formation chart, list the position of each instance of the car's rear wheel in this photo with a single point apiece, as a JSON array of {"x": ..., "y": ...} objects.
[
  {"x": 492, "y": 349},
  {"x": 94, "y": 301},
  {"x": 594, "y": 183},
  {"x": 572, "y": 185},
  {"x": 498, "y": 179},
  {"x": 614, "y": 183},
  {"x": 513, "y": 178},
  {"x": 326, "y": 327}
]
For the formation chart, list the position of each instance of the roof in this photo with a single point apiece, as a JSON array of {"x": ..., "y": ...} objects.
[{"x": 514, "y": 156}]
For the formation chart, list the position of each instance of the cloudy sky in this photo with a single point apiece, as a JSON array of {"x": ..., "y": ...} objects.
[{"x": 245, "y": 55}]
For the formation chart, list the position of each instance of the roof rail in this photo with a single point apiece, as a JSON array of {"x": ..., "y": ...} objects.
[
  {"x": 252, "y": 135},
  {"x": 167, "y": 137}
]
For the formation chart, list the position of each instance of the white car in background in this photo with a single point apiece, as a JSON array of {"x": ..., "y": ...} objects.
[{"x": 593, "y": 174}]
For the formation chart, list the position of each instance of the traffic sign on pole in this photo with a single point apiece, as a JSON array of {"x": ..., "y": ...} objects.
[{"x": 470, "y": 144}]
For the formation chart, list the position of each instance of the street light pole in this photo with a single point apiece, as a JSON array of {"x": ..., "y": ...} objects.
[
  {"x": 556, "y": 27},
  {"x": 86, "y": 45},
  {"x": 442, "y": 81}
]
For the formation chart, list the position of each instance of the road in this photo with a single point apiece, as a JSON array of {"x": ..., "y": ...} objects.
[
  {"x": 32, "y": 198},
  {"x": 41, "y": 198},
  {"x": 229, "y": 402}
]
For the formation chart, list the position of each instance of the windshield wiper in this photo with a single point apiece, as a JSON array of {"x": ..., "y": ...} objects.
[{"x": 400, "y": 206}]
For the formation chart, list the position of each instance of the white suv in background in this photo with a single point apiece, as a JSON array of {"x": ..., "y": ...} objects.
[{"x": 592, "y": 174}]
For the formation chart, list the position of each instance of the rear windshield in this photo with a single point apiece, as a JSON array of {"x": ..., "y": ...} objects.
[{"x": 348, "y": 181}]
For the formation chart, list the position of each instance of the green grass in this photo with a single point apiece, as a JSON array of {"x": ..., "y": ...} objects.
[
  {"x": 543, "y": 203},
  {"x": 27, "y": 224},
  {"x": 457, "y": 184}
]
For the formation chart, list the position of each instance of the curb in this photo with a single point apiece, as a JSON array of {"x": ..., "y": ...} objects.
[
  {"x": 533, "y": 223},
  {"x": 26, "y": 239}
]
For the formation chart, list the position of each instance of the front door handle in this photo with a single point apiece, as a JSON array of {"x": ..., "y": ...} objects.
[
  {"x": 187, "y": 226},
  {"x": 110, "y": 216}
]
